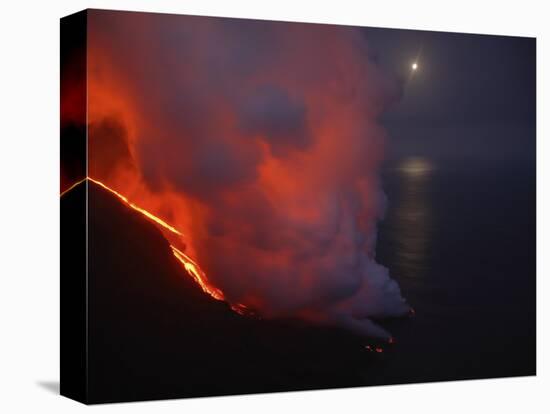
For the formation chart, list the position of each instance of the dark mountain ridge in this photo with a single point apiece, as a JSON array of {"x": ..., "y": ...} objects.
[{"x": 153, "y": 333}]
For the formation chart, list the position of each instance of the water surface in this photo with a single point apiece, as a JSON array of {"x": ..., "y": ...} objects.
[{"x": 460, "y": 240}]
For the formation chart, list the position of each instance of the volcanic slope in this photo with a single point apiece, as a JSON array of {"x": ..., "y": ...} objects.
[{"x": 154, "y": 333}]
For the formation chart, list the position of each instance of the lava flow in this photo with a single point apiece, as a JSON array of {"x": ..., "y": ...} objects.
[
  {"x": 142, "y": 211},
  {"x": 190, "y": 265},
  {"x": 195, "y": 271}
]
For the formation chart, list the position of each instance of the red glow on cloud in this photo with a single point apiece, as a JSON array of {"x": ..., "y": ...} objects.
[{"x": 260, "y": 141}]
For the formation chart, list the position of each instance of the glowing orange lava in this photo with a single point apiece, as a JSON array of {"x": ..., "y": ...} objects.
[
  {"x": 200, "y": 277},
  {"x": 190, "y": 265},
  {"x": 72, "y": 186},
  {"x": 195, "y": 271},
  {"x": 142, "y": 211}
]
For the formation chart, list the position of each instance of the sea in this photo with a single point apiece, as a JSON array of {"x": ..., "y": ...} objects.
[{"x": 460, "y": 239}]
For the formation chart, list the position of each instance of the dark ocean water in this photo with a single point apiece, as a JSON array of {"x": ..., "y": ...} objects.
[{"x": 460, "y": 240}]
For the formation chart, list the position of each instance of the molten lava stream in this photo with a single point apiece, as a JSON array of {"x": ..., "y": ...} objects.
[
  {"x": 191, "y": 266},
  {"x": 200, "y": 277},
  {"x": 142, "y": 211},
  {"x": 195, "y": 271}
]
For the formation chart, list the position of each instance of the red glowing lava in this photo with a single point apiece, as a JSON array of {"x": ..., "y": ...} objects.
[{"x": 190, "y": 265}]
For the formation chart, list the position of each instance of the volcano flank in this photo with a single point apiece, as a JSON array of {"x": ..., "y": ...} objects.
[{"x": 153, "y": 333}]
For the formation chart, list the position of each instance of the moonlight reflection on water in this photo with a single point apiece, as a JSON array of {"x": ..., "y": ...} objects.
[
  {"x": 410, "y": 217},
  {"x": 416, "y": 166}
]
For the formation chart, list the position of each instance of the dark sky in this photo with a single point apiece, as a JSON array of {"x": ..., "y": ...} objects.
[{"x": 472, "y": 98}]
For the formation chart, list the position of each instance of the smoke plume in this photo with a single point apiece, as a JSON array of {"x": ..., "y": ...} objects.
[{"x": 261, "y": 141}]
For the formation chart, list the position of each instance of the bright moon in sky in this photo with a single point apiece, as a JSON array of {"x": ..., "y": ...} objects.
[{"x": 414, "y": 66}]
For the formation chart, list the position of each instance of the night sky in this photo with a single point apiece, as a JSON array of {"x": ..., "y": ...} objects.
[{"x": 472, "y": 98}]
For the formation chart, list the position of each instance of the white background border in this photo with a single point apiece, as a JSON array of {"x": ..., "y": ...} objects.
[{"x": 29, "y": 222}]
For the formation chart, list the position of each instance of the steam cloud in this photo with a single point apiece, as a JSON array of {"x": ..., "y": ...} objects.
[{"x": 261, "y": 141}]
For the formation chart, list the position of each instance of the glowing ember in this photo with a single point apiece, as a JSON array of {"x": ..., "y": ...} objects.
[{"x": 373, "y": 348}]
